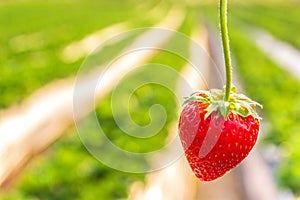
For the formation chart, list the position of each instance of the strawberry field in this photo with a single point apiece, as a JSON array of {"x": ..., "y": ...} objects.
[
  {"x": 36, "y": 38},
  {"x": 35, "y": 34}
]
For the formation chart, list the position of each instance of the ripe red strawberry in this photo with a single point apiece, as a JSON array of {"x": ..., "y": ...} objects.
[{"x": 217, "y": 135}]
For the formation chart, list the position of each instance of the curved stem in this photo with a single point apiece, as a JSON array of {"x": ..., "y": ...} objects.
[{"x": 226, "y": 47}]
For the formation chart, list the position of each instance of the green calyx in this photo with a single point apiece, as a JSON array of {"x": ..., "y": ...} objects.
[{"x": 237, "y": 103}]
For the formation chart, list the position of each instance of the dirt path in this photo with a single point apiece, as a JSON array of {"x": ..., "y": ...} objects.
[
  {"x": 158, "y": 183},
  {"x": 82, "y": 48},
  {"x": 281, "y": 52}
]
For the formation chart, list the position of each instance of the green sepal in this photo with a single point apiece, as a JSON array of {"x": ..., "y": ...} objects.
[
  {"x": 224, "y": 108},
  {"x": 194, "y": 98},
  {"x": 210, "y": 109},
  {"x": 238, "y": 103}
]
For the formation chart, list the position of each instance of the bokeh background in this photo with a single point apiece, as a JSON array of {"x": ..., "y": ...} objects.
[{"x": 34, "y": 41}]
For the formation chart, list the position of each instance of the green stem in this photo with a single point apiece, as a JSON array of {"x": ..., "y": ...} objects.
[{"x": 226, "y": 47}]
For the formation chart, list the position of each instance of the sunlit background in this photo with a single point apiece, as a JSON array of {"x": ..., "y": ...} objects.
[{"x": 43, "y": 45}]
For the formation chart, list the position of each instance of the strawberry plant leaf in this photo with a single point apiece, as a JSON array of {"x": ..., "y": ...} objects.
[
  {"x": 224, "y": 108},
  {"x": 210, "y": 109}
]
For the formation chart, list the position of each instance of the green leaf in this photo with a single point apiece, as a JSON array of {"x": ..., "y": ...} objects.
[
  {"x": 210, "y": 109},
  {"x": 242, "y": 112},
  {"x": 189, "y": 99},
  {"x": 195, "y": 97},
  {"x": 237, "y": 106},
  {"x": 238, "y": 103},
  {"x": 224, "y": 108}
]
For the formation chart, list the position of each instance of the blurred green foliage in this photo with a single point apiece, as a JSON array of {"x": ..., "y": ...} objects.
[
  {"x": 34, "y": 33},
  {"x": 281, "y": 21},
  {"x": 67, "y": 170}
]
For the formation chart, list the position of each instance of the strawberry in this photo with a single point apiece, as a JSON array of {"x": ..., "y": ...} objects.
[{"x": 217, "y": 135}]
